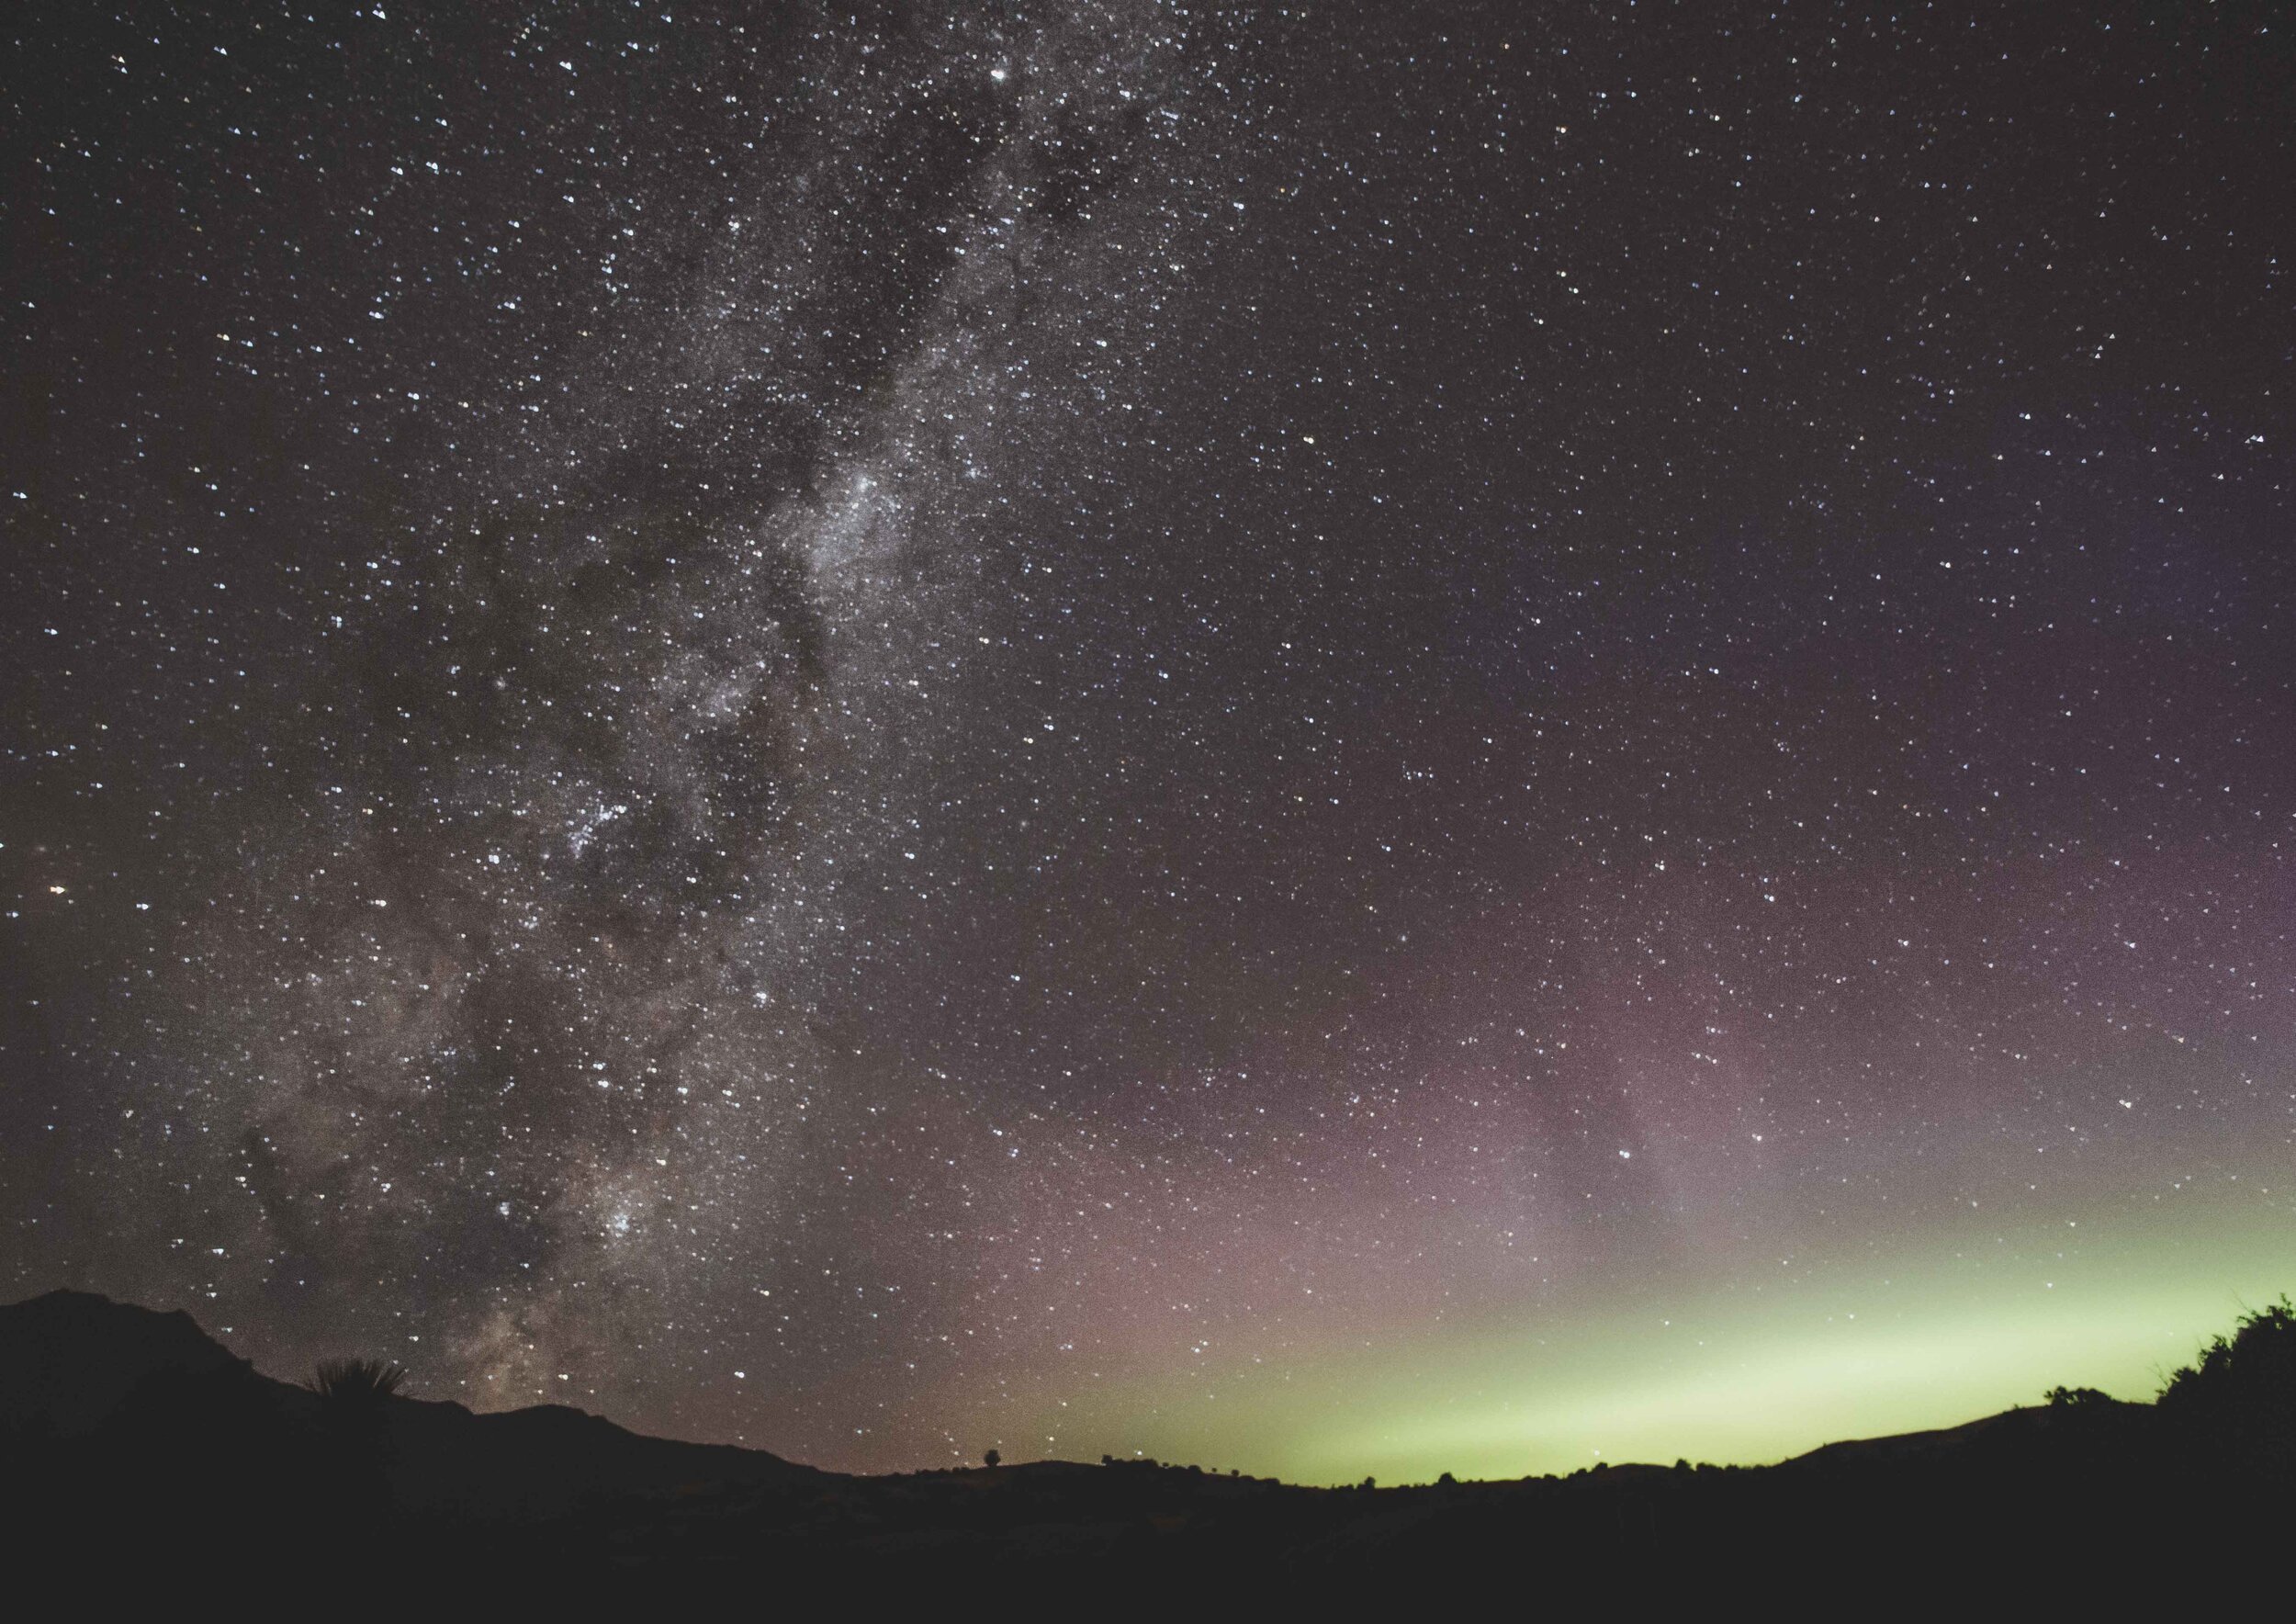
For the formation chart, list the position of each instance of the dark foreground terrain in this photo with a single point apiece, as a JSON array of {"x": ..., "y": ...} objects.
[{"x": 135, "y": 1451}]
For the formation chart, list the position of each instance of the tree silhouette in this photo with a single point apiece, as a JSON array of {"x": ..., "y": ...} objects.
[
  {"x": 993, "y": 1458},
  {"x": 2242, "y": 1394}
]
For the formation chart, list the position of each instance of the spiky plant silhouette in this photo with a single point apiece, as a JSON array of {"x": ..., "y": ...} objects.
[
  {"x": 356, "y": 1383},
  {"x": 354, "y": 1425}
]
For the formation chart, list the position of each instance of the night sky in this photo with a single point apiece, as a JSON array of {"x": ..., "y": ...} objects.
[{"x": 1358, "y": 740}]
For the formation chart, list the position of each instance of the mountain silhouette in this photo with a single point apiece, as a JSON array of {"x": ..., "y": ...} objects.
[
  {"x": 130, "y": 1433},
  {"x": 71, "y": 1359}
]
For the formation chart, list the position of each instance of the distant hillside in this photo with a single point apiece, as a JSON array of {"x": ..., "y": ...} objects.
[
  {"x": 76, "y": 1366},
  {"x": 128, "y": 1433}
]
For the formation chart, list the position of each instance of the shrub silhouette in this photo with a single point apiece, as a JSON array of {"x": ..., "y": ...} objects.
[{"x": 991, "y": 1458}]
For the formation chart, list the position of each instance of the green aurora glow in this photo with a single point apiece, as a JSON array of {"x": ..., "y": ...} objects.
[{"x": 1939, "y": 1336}]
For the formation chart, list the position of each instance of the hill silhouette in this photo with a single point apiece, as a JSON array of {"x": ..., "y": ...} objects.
[
  {"x": 128, "y": 1433},
  {"x": 75, "y": 1368}
]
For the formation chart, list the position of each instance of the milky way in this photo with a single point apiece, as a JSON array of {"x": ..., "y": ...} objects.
[{"x": 1323, "y": 742}]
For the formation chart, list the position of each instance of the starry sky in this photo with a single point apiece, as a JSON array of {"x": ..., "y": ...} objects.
[{"x": 1333, "y": 741}]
